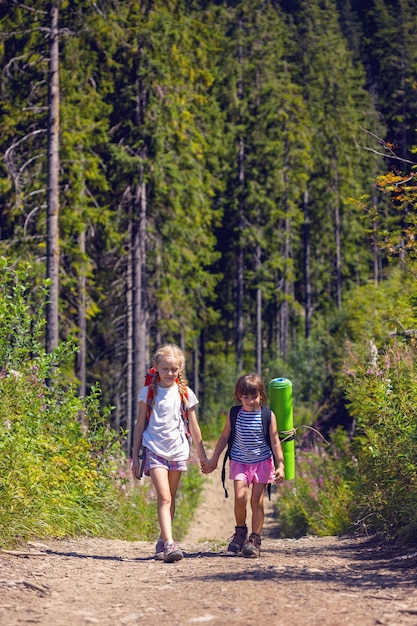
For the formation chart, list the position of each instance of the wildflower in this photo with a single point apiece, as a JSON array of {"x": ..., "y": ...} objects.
[{"x": 373, "y": 359}]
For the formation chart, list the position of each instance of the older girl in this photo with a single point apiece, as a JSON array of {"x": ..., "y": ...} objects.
[{"x": 164, "y": 440}]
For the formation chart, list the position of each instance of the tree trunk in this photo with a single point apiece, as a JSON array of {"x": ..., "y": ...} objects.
[
  {"x": 52, "y": 235},
  {"x": 129, "y": 339},
  {"x": 285, "y": 308},
  {"x": 240, "y": 259},
  {"x": 258, "y": 313},
  {"x": 307, "y": 267},
  {"x": 139, "y": 297},
  {"x": 196, "y": 386},
  {"x": 81, "y": 323},
  {"x": 201, "y": 364},
  {"x": 284, "y": 324},
  {"x": 239, "y": 311},
  {"x": 338, "y": 256},
  {"x": 139, "y": 346}
]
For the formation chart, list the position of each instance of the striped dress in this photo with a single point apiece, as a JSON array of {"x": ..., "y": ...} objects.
[{"x": 250, "y": 445}]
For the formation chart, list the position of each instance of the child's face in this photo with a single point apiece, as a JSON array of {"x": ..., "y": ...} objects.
[
  {"x": 168, "y": 370},
  {"x": 251, "y": 403}
]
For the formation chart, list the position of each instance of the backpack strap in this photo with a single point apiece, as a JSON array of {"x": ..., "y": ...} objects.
[
  {"x": 266, "y": 423},
  {"x": 149, "y": 405},
  {"x": 150, "y": 397},
  {"x": 184, "y": 414},
  {"x": 233, "y": 416},
  {"x": 150, "y": 401}
]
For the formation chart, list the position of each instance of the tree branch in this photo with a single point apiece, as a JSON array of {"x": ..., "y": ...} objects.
[{"x": 391, "y": 154}]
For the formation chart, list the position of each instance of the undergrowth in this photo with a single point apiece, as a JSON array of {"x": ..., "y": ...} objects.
[
  {"x": 367, "y": 483},
  {"x": 321, "y": 498},
  {"x": 62, "y": 468},
  {"x": 63, "y": 471}
]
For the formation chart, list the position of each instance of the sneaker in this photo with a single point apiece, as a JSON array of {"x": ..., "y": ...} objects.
[
  {"x": 159, "y": 550},
  {"x": 252, "y": 547},
  {"x": 172, "y": 553},
  {"x": 238, "y": 539}
]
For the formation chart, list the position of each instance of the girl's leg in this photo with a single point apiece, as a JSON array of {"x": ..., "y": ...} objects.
[
  {"x": 161, "y": 481},
  {"x": 174, "y": 478},
  {"x": 257, "y": 504},
  {"x": 241, "y": 500},
  {"x": 241, "y": 531}
]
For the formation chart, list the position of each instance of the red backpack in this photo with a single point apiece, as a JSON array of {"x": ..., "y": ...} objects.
[{"x": 149, "y": 378}]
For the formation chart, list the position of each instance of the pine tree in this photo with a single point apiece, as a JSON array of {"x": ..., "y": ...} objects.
[
  {"x": 389, "y": 54},
  {"x": 161, "y": 175},
  {"x": 24, "y": 62},
  {"x": 268, "y": 143},
  {"x": 338, "y": 104},
  {"x": 52, "y": 222}
]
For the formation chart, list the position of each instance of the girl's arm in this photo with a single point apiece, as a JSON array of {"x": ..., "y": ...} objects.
[
  {"x": 221, "y": 444},
  {"x": 137, "y": 438},
  {"x": 196, "y": 435},
  {"x": 277, "y": 450}
]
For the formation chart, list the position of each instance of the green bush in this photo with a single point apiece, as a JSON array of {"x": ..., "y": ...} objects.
[
  {"x": 382, "y": 395},
  {"x": 54, "y": 479},
  {"x": 369, "y": 483},
  {"x": 58, "y": 457},
  {"x": 321, "y": 498},
  {"x": 62, "y": 468}
]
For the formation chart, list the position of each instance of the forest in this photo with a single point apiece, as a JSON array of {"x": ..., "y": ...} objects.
[{"x": 236, "y": 177}]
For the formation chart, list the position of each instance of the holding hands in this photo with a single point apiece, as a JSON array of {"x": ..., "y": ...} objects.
[{"x": 208, "y": 466}]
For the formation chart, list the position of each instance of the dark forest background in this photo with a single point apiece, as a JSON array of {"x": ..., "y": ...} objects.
[{"x": 230, "y": 176}]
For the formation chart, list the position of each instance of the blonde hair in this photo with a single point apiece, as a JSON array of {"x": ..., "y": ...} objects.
[
  {"x": 170, "y": 351},
  {"x": 250, "y": 385}
]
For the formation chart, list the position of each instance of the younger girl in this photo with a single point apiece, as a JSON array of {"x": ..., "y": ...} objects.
[
  {"x": 164, "y": 441},
  {"x": 251, "y": 461}
]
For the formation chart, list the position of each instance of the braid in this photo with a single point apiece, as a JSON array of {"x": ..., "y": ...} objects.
[
  {"x": 155, "y": 387},
  {"x": 181, "y": 388}
]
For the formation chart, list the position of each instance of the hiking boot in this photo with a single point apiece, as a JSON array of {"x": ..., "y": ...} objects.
[
  {"x": 172, "y": 553},
  {"x": 159, "y": 550},
  {"x": 252, "y": 547},
  {"x": 238, "y": 539}
]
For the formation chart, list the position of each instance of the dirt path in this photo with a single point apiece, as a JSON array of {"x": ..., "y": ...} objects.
[{"x": 310, "y": 581}]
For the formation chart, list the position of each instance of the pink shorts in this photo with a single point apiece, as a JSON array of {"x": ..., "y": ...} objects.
[
  {"x": 152, "y": 460},
  {"x": 262, "y": 472}
]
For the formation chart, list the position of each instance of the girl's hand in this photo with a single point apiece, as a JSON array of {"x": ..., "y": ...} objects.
[
  {"x": 211, "y": 464},
  {"x": 136, "y": 467},
  {"x": 204, "y": 467},
  {"x": 279, "y": 474}
]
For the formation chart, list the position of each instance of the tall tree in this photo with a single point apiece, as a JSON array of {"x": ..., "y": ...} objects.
[
  {"x": 162, "y": 174},
  {"x": 24, "y": 80},
  {"x": 338, "y": 105},
  {"x": 52, "y": 231},
  {"x": 268, "y": 146},
  {"x": 388, "y": 52},
  {"x": 86, "y": 228}
]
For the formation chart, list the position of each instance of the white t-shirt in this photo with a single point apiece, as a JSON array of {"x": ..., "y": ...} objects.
[{"x": 165, "y": 433}]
